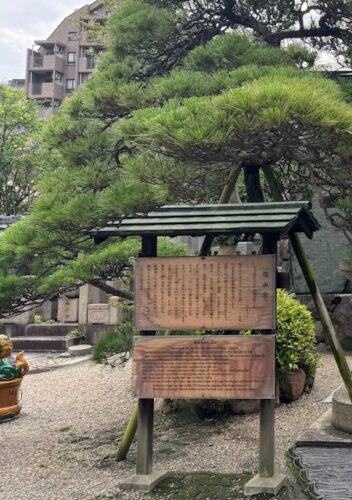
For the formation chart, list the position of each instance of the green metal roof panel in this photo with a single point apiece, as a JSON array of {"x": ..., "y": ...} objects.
[{"x": 199, "y": 220}]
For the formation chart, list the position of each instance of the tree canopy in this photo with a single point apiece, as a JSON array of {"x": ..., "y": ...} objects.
[
  {"x": 19, "y": 161},
  {"x": 176, "y": 101}
]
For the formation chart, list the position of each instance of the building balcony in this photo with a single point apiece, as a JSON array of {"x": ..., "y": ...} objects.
[
  {"x": 46, "y": 90},
  {"x": 50, "y": 62},
  {"x": 87, "y": 63}
]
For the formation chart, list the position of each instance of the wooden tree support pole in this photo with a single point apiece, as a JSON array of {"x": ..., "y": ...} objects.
[
  {"x": 224, "y": 198},
  {"x": 308, "y": 273},
  {"x": 128, "y": 435}
]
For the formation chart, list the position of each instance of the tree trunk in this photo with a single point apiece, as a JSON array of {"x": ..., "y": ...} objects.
[{"x": 252, "y": 183}]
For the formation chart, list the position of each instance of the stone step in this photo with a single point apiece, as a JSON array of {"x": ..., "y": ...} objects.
[
  {"x": 37, "y": 330},
  {"x": 48, "y": 330},
  {"x": 53, "y": 343}
]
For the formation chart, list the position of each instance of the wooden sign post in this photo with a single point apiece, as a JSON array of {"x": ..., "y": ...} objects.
[{"x": 221, "y": 292}]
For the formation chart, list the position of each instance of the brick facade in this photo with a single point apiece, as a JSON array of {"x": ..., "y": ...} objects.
[{"x": 65, "y": 60}]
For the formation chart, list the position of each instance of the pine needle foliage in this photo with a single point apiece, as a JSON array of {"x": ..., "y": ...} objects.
[{"x": 179, "y": 96}]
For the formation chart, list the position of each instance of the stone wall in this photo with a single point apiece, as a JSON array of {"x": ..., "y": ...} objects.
[
  {"x": 340, "y": 310},
  {"x": 325, "y": 250}
]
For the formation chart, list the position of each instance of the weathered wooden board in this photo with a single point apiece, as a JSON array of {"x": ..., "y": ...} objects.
[
  {"x": 223, "y": 367},
  {"x": 221, "y": 292}
]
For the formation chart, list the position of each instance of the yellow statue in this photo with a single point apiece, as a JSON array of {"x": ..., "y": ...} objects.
[{"x": 12, "y": 369}]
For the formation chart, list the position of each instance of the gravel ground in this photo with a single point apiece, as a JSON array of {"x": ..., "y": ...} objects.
[{"x": 61, "y": 447}]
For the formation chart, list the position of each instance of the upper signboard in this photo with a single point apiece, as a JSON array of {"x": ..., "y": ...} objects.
[{"x": 220, "y": 293}]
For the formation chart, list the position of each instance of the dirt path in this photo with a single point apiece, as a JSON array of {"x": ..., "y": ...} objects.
[{"x": 62, "y": 445}]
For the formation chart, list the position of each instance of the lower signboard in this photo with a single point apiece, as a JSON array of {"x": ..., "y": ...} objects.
[{"x": 222, "y": 367}]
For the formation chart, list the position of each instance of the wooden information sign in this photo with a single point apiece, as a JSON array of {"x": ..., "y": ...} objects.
[
  {"x": 232, "y": 367},
  {"x": 221, "y": 292}
]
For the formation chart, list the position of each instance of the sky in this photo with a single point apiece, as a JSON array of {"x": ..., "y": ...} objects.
[{"x": 22, "y": 22}]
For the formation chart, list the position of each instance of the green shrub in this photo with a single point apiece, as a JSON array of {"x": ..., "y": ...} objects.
[
  {"x": 76, "y": 333},
  {"x": 118, "y": 340},
  {"x": 295, "y": 337}
]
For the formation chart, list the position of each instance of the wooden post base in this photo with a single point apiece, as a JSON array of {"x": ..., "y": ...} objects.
[
  {"x": 143, "y": 482},
  {"x": 259, "y": 484}
]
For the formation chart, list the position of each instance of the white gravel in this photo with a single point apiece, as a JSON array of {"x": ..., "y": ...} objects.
[{"x": 71, "y": 417}]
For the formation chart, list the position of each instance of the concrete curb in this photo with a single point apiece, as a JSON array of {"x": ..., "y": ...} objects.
[{"x": 49, "y": 368}]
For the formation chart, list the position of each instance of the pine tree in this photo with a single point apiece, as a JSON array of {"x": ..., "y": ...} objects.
[{"x": 176, "y": 101}]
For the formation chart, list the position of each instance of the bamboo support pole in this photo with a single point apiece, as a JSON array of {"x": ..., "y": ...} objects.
[
  {"x": 308, "y": 273},
  {"x": 127, "y": 439},
  {"x": 204, "y": 251}
]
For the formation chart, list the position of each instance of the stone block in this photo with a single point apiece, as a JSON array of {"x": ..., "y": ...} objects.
[
  {"x": 341, "y": 316},
  {"x": 99, "y": 314},
  {"x": 319, "y": 332},
  {"x": 339, "y": 306},
  {"x": 12, "y": 330},
  {"x": 114, "y": 315},
  {"x": 259, "y": 484},
  {"x": 67, "y": 310},
  {"x": 103, "y": 314},
  {"x": 24, "y": 318},
  {"x": 95, "y": 332},
  {"x": 80, "y": 350},
  {"x": 143, "y": 482},
  {"x": 88, "y": 294},
  {"x": 49, "y": 310},
  {"x": 48, "y": 330}
]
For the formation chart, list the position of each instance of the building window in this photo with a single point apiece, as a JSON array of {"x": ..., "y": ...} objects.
[
  {"x": 59, "y": 76},
  {"x": 59, "y": 49},
  {"x": 70, "y": 84},
  {"x": 71, "y": 58},
  {"x": 84, "y": 77},
  {"x": 72, "y": 35},
  {"x": 91, "y": 62},
  {"x": 86, "y": 23}
]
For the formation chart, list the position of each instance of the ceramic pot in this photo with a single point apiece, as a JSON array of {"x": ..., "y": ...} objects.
[
  {"x": 292, "y": 385},
  {"x": 9, "y": 398},
  {"x": 341, "y": 410}
]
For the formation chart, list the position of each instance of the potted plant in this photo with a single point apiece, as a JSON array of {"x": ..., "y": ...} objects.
[{"x": 296, "y": 359}]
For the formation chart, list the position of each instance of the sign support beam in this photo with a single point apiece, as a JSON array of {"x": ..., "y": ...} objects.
[
  {"x": 267, "y": 481},
  {"x": 146, "y": 406},
  {"x": 145, "y": 479}
]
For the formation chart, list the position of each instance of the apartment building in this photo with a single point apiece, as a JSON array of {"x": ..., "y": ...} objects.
[
  {"x": 57, "y": 66},
  {"x": 17, "y": 83}
]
